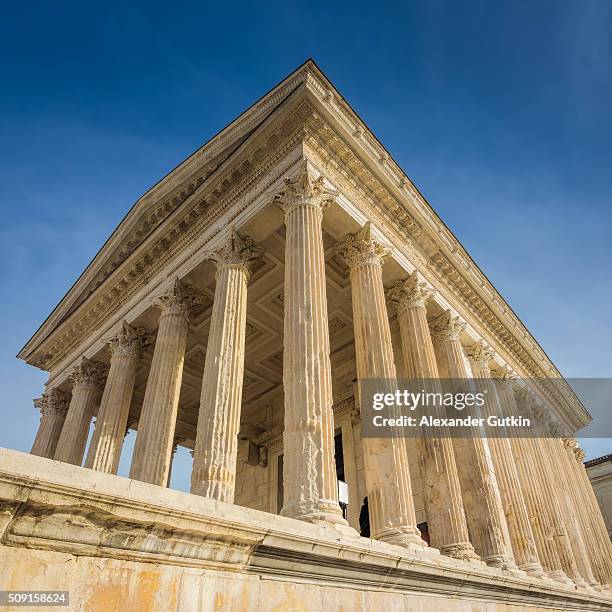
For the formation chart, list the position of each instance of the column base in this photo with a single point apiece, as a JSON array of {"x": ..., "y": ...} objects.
[
  {"x": 581, "y": 583},
  {"x": 501, "y": 562},
  {"x": 559, "y": 576},
  {"x": 533, "y": 570},
  {"x": 463, "y": 550},
  {"x": 408, "y": 537},
  {"x": 325, "y": 512}
]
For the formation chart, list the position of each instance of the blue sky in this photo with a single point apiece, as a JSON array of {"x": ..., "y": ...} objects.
[{"x": 500, "y": 113}]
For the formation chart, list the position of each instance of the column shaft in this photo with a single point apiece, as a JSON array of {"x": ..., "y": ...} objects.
[
  {"x": 481, "y": 497},
  {"x": 107, "y": 441},
  {"x": 151, "y": 459},
  {"x": 443, "y": 502},
  {"x": 309, "y": 472},
  {"x": 506, "y": 470},
  {"x": 570, "y": 514},
  {"x": 53, "y": 407},
  {"x": 214, "y": 466},
  {"x": 553, "y": 542},
  {"x": 598, "y": 541},
  {"x": 387, "y": 476},
  {"x": 85, "y": 394}
]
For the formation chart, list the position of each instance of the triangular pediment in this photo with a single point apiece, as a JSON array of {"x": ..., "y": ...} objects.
[{"x": 151, "y": 210}]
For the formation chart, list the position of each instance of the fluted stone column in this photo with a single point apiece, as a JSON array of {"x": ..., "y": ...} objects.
[
  {"x": 87, "y": 381},
  {"x": 481, "y": 497},
  {"x": 442, "y": 491},
  {"x": 53, "y": 406},
  {"x": 214, "y": 466},
  {"x": 580, "y": 569},
  {"x": 567, "y": 461},
  {"x": 309, "y": 473},
  {"x": 555, "y": 550},
  {"x": 387, "y": 476},
  {"x": 507, "y": 469},
  {"x": 107, "y": 441},
  {"x": 571, "y": 515},
  {"x": 597, "y": 541},
  {"x": 151, "y": 458}
]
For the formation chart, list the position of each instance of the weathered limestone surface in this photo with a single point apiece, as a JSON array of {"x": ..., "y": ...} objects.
[
  {"x": 598, "y": 545},
  {"x": 105, "y": 448},
  {"x": 599, "y": 471},
  {"x": 214, "y": 467},
  {"x": 151, "y": 459},
  {"x": 553, "y": 543},
  {"x": 512, "y": 489},
  {"x": 391, "y": 507},
  {"x": 53, "y": 406},
  {"x": 480, "y": 492},
  {"x": 118, "y": 544},
  {"x": 309, "y": 475},
  {"x": 579, "y": 567},
  {"x": 570, "y": 513},
  {"x": 86, "y": 378},
  {"x": 443, "y": 502}
]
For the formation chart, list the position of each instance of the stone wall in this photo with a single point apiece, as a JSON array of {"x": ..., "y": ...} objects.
[{"x": 120, "y": 544}]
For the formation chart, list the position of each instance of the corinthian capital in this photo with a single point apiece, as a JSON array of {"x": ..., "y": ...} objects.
[
  {"x": 53, "y": 403},
  {"x": 506, "y": 377},
  {"x": 304, "y": 190},
  {"x": 412, "y": 292},
  {"x": 128, "y": 341},
  {"x": 88, "y": 373},
  {"x": 178, "y": 300},
  {"x": 360, "y": 249},
  {"x": 505, "y": 373},
  {"x": 480, "y": 354},
  {"x": 446, "y": 327},
  {"x": 236, "y": 251},
  {"x": 572, "y": 445}
]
